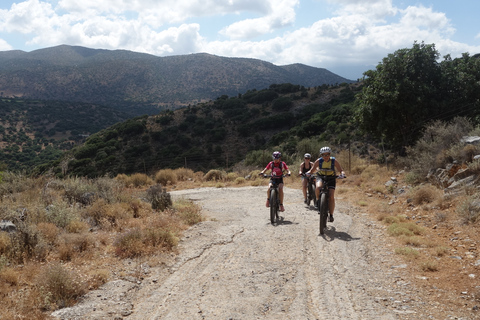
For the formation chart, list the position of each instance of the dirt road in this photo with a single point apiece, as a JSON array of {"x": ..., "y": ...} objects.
[{"x": 236, "y": 265}]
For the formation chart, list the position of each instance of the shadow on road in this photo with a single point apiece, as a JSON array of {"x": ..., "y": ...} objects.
[
  {"x": 281, "y": 221},
  {"x": 331, "y": 234}
]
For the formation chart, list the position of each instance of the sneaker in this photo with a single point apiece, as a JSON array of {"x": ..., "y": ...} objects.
[
  {"x": 268, "y": 203},
  {"x": 282, "y": 208},
  {"x": 330, "y": 218},
  {"x": 305, "y": 201}
]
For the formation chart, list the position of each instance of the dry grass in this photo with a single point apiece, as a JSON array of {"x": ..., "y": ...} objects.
[{"x": 82, "y": 228}]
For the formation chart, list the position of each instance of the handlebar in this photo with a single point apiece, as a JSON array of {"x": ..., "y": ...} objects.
[{"x": 270, "y": 176}]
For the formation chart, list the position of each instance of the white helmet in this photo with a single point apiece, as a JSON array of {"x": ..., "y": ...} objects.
[
  {"x": 325, "y": 150},
  {"x": 307, "y": 156}
]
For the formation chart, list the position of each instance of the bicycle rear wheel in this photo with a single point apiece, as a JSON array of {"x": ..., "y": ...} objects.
[
  {"x": 273, "y": 206},
  {"x": 323, "y": 208}
]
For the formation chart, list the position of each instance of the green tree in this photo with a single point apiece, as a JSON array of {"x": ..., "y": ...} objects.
[{"x": 401, "y": 94}]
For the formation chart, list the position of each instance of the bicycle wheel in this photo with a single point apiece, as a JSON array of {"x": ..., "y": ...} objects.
[
  {"x": 273, "y": 206},
  {"x": 323, "y": 208},
  {"x": 311, "y": 193}
]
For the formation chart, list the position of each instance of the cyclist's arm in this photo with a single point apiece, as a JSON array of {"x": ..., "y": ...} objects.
[
  {"x": 339, "y": 167},
  {"x": 301, "y": 168},
  {"x": 313, "y": 168}
]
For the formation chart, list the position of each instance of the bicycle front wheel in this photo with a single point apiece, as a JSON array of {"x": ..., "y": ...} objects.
[
  {"x": 311, "y": 194},
  {"x": 273, "y": 207},
  {"x": 323, "y": 208}
]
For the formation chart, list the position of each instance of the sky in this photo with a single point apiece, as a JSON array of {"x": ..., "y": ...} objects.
[{"x": 347, "y": 37}]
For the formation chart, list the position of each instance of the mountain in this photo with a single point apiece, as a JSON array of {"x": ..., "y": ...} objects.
[
  {"x": 33, "y": 132},
  {"x": 218, "y": 133},
  {"x": 141, "y": 83}
]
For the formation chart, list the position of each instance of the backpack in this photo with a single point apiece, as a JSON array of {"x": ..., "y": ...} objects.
[
  {"x": 273, "y": 164},
  {"x": 320, "y": 163}
]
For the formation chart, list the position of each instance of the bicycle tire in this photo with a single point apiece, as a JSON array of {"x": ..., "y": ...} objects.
[
  {"x": 273, "y": 206},
  {"x": 323, "y": 208},
  {"x": 309, "y": 193},
  {"x": 312, "y": 194}
]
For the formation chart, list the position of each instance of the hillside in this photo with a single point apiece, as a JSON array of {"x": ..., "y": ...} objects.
[
  {"x": 141, "y": 83},
  {"x": 216, "y": 134},
  {"x": 33, "y": 132}
]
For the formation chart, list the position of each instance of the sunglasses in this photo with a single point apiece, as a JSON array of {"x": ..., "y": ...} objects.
[{"x": 326, "y": 155}]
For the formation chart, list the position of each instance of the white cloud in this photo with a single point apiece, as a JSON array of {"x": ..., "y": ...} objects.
[
  {"x": 281, "y": 14},
  {"x": 4, "y": 46},
  {"x": 359, "y": 32}
]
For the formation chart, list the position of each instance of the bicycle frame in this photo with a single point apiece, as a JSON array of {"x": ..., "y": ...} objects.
[{"x": 310, "y": 188}]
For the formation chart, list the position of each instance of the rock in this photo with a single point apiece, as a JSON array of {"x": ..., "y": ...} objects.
[{"x": 7, "y": 226}]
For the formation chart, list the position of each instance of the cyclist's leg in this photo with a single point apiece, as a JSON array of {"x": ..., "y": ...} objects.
[
  {"x": 304, "y": 187},
  {"x": 268, "y": 195},
  {"x": 318, "y": 188},
  {"x": 280, "y": 196},
  {"x": 331, "y": 201}
]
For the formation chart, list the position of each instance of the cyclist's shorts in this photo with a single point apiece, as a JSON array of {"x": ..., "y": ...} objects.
[
  {"x": 276, "y": 181},
  {"x": 330, "y": 181}
]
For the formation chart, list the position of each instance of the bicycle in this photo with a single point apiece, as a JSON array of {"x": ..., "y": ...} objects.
[
  {"x": 310, "y": 188},
  {"x": 274, "y": 198},
  {"x": 324, "y": 198}
]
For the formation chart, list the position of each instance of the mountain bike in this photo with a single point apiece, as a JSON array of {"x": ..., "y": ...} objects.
[
  {"x": 324, "y": 198},
  {"x": 310, "y": 188},
  {"x": 274, "y": 198}
]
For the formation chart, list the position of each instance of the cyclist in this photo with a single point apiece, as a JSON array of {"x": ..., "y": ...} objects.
[
  {"x": 304, "y": 167},
  {"x": 278, "y": 167},
  {"x": 327, "y": 162}
]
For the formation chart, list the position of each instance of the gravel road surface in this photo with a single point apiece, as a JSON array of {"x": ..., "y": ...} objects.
[{"x": 236, "y": 265}]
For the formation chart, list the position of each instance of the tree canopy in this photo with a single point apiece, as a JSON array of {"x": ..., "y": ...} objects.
[{"x": 410, "y": 87}]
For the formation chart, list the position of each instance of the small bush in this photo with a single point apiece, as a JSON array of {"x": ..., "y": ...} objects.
[
  {"x": 214, "y": 175},
  {"x": 407, "y": 252},
  {"x": 77, "y": 226},
  {"x": 165, "y": 177},
  {"x": 441, "y": 251},
  {"x": 231, "y": 176},
  {"x": 61, "y": 214},
  {"x": 5, "y": 243},
  {"x": 49, "y": 231},
  {"x": 426, "y": 194},
  {"x": 184, "y": 174},
  {"x": 404, "y": 228},
  {"x": 9, "y": 275},
  {"x": 469, "y": 210},
  {"x": 140, "y": 180},
  {"x": 98, "y": 278},
  {"x": 59, "y": 287},
  {"x": 129, "y": 244},
  {"x": 239, "y": 180},
  {"x": 159, "y": 197},
  {"x": 429, "y": 266},
  {"x": 189, "y": 212}
]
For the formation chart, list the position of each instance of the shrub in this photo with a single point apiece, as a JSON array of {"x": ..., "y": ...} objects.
[
  {"x": 408, "y": 252},
  {"x": 5, "y": 243},
  {"x": 159, "y": 197},
  {"x": 214, "y": 175},
  {"x": 430, "y": 266},
  {"x": 184, "y": 174},
  {"x": 59, "y": 287},
  {"x": 140, "y": 180},
  {"x": 61, "y": 214},
  {"x": 129, "y": 244},
  {"x": 404, "y": 228},
  {"x": 49, "y": 231},
  {"x": 240, "y": 180},
  {"x": 189, "y": 212},
  {"x": 469, "y": 210},
  {"x": 166, "y": 176},
  {"x": 426, "y": 194}
]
